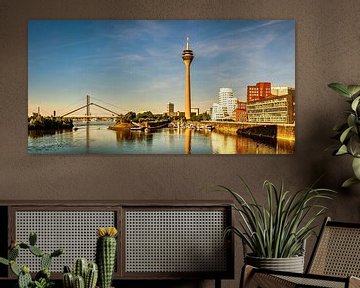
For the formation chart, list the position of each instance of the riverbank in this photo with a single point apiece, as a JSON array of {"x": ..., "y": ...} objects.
[{"x": 38, "y": 122}]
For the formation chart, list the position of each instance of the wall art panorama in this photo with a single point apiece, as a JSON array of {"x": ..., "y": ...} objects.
[{"x": 161, "y": 87}]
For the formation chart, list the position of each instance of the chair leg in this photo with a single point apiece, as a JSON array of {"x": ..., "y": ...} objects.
[
  {"x": 217, "y": 283},
  {"x": 354, "y": 282},
  {"x": 246, "y": 273},
  {"x": 251, "y": 279}
]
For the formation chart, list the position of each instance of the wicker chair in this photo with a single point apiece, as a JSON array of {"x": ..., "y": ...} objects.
[{"x": 334, "y": 263}]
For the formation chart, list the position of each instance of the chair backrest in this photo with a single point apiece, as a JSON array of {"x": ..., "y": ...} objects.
[{"x": 337, "y": 251}]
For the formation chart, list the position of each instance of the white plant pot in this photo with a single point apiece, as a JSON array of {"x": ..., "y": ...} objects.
[{"x": 291, "y": 264}]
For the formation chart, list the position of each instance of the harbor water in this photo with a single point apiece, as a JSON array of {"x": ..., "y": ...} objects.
[{"x": 95, "y": 138}]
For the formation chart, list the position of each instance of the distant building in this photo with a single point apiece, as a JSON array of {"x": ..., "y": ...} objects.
[
  {"x": 180, "y": 114},
  {"x": 274, "y": 109},
  {"x": 225, "y": 108},
  {"x": 170, "y": 109},
  {"x": 261, "y": 90},
  {"x": 240, "y": 112},
  {"x": 195, "y": 111},
  {"x": 281, "y": 90}
]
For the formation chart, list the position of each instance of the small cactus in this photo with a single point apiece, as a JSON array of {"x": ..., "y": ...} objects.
[
  {"x": 91, "y": 276},
  {"x": 84, "y": 274},
  {"x": 80, "y": 268},
  {"x": 79, "y": 282},
  {"x": 68, "y": 280},
  {"x": 106, "y": 254}
]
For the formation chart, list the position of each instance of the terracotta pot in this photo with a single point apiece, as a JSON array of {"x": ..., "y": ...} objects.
[{"x": 291, "y": 264}]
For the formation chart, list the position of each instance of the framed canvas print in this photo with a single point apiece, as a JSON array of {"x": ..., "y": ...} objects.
[{"x": 161, "y": 87}]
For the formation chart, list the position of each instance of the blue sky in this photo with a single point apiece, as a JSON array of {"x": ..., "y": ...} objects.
[{"x": 136, "y": 65}]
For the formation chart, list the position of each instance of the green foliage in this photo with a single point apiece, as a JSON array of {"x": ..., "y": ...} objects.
[
  {"x": 42, "y": 283},
  {"x": 128, "y": 117},
  {"x": 38, "y": 122},
  {"x": 279, "y": 229},
  {"x": 349, "y": 131},
  {"x": 201, "y": 117},
  {"x": 145, "y": 116},
  {"x": 42, "y": 278}
]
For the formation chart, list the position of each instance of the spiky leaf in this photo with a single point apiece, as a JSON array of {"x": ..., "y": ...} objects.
[
  {"x": 24, "y": 280},
  {"x": 57, "y": 252},
  {"x": 36, "y": 251},
  {"x": 24, "y": 245},
  {"x": 45, "y": 261},
  {"x": 4, "y": 261},
  {"x": 14, "y": 268},
  {"x": 32, "y": 238},
  {"x": 13, "y": 253}
]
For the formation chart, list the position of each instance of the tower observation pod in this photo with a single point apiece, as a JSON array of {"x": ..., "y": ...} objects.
[{"x": 187, "y": 57}]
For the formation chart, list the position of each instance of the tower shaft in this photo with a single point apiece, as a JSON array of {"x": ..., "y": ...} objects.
[
  {"x": 187, "y": 90},
  {"x": 187, "y": 57}
]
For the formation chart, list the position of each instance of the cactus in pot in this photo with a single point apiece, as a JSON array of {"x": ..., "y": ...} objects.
[
  {"x": 85, "y": 275},
  {"x": 106, "y": 254}
]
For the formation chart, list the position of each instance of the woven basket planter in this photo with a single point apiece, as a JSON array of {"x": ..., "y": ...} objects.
[{"x": 291, "y": 264}]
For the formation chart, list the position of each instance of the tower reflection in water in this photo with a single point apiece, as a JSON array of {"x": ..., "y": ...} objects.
[
  {"x": 188, "y": 133},
  {"x": 190, "y": 141}
]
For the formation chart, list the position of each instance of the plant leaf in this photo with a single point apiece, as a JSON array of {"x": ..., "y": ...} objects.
[
  {"x": 342, "y": 150},
  {"x": 351, "y": 120},
  {"x": 349, "y": 182},
  {"x": 356, "y": 167},
  {"x": 340, "y": 88},
  {"x": 353, "y": 89},
  {"x": 345, "y": 134},
  {"x": 355, "y": 103},
  {"x": 354, "y": 145}
]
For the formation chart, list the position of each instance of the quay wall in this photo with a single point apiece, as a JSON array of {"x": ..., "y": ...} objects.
[{"x": 282, "y": 131}]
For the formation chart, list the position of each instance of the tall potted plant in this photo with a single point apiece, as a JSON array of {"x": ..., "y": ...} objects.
[
  {"x": 275, "y": 233},
  {"x": 349, "y": 132}
]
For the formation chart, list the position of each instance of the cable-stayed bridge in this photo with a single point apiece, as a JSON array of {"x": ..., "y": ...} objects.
[{"x": 88, "y": 116}]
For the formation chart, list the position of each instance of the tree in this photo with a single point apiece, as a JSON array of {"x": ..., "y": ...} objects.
[{"x": 130, "y": 116}]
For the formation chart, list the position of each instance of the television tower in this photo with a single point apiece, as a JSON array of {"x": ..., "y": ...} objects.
[{"x": 187, "y": 57}]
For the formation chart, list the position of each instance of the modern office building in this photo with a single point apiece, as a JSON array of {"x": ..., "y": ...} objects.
[
  {"x": 260, "y": 91},
  {"x": 226, "y": 107},
  {"x": 274, "y": 109}
]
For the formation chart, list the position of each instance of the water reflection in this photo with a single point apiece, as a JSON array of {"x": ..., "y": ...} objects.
[
  {"x": 97, "y": 138},
  {"x": 187, "y": 141}
]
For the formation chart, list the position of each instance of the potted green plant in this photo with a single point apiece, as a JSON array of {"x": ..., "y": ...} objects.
[
  {"x": 275, "y": 233},
  {"x": 349, "y": 132},
  {"x": 42, "y": 278}
]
